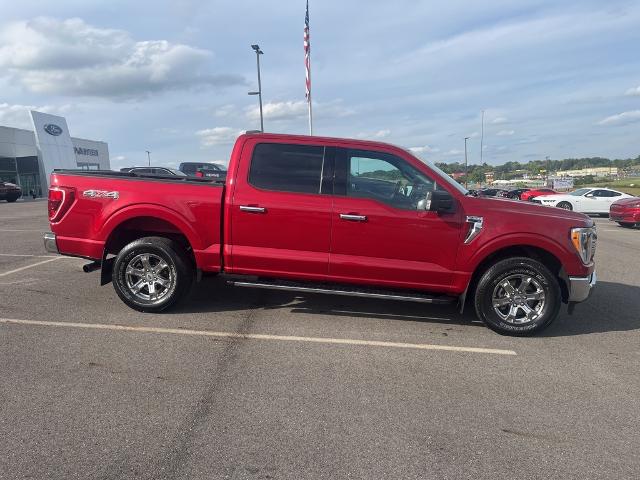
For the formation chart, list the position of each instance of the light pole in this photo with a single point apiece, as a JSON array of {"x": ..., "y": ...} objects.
[
  {"x": 482, "y": 138},
  {"x": 547, "y": 158},
  {"x": 259, "y": 52},
  {"x": 148, "y": 156},
  {"x": 466, "y": 165}
]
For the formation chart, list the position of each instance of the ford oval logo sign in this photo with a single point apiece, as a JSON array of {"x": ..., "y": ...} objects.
[{"x": 53, "y": 129}]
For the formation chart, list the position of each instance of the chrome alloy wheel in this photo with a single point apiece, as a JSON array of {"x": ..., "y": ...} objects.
[
  {"x": 149, "y": 277},
  {"x": 518, "y": 299}
]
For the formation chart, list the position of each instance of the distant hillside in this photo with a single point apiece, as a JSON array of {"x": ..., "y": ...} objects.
[{"x": 515, "y": 169}]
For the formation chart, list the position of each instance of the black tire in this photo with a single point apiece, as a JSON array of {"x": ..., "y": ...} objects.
[
  {"x": 11, "y": 199},
  {"x": 627, "y": 225},
  {"x": 565, "y": 206},
  {"x": 491, "y": 283},
  {"x": 178, "y": 274}
]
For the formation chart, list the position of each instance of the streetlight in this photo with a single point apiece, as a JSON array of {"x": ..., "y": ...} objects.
[
  {"x": 259, "y": 52},
  {"x": 148, "y": 156},
  {"x": 547, "y": 158},
  {"x": 466, "y": 166}
]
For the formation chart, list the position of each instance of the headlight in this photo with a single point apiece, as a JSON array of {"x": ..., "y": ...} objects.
[{"x": 584, "y": 241}]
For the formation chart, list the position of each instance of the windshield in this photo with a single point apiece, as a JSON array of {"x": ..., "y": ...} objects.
[
  {"x": 177, "y": 172},
  {"x": 580, "y": 192}
]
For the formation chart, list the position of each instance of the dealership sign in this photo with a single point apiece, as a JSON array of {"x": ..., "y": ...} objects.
[
  {"x": 563, "y": 184},
  {"x": 53, "y": 129},
  {"x": 91, "y": 152}
]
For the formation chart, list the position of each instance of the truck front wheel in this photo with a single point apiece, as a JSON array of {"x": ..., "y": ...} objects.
[
  {"x": 518, "y": 296},
  {"x": 152, "y": 273}
]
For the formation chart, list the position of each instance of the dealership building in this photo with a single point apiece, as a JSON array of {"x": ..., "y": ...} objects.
[{"x": 27, "y": 157}]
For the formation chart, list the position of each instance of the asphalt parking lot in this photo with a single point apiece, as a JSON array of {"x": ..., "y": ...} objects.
[{"x": 254, "y": 384}]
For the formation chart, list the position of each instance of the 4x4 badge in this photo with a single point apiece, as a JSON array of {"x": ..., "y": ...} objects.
[{"x": 100, "y": 194}]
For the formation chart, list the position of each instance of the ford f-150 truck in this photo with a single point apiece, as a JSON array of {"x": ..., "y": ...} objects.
[{"x": 325, "y": 215}]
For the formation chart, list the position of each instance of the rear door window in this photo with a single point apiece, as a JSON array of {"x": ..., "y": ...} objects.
[{"x": 287, "y": 168}]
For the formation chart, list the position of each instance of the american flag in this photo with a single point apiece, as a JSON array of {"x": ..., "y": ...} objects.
[{"x": 307, "y": 55}]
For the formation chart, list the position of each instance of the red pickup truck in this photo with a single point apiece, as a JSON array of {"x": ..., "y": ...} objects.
[{"x": 325, "y": 215}]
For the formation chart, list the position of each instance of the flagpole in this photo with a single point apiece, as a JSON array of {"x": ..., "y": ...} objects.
[
  {"x": 308, "y": 67},
  {"x": 309, "y": 100}
]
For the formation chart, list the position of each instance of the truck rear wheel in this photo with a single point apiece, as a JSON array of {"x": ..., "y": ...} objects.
[
  {"x": 153, "y": 273},
  {"x": 518, "y": 296}
]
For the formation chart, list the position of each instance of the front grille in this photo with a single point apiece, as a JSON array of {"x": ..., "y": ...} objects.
[
  {"x": 594, "y": 242},
  {"x": 539, "y": 202}
]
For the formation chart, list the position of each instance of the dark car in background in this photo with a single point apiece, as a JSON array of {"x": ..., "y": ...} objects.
[
  {"x": 517, "y": 192},
  {"x": 154, "y": 171},
  {"x": 10, "y": 191},
  {"x": 492, "y": 192},
  {"x": 203, "y": 169}
]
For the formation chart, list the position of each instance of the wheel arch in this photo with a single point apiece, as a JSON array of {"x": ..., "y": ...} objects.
[
  {"x": 144, "y": 221},
  {"x": 549, "y": 257}
]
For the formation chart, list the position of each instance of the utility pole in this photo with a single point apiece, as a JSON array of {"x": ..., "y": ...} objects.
[
  {"x": 148, "y": 156},
  {"x": 466, "y": 164},
  {"x": 259, "y": 52}
]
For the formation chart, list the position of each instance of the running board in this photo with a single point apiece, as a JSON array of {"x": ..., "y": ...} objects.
[{"x": 348, "y": 291}]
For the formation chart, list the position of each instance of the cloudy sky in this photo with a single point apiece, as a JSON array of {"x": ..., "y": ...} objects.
[{"x": 171, "y": 76}]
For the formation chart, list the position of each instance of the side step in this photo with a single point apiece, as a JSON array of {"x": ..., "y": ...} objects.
[{"x": 346, "y": 290}]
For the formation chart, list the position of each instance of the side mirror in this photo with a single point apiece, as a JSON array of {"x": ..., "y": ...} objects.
[{"x": 437, "y": 201}]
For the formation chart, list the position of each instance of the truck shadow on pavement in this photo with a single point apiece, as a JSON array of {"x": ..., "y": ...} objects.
[{"x": 612, "y": 307}]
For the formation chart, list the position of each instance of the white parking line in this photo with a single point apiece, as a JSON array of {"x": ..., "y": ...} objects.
[
  {"x": 257, "y": 336},
  {"x": 28, "y": 255},
  {"x": 30, "y": 266}
]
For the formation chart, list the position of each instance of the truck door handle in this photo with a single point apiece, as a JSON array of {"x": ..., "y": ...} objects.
[
  {"x": 353, "y": 218},
  {"x": 250, "y": 209}
]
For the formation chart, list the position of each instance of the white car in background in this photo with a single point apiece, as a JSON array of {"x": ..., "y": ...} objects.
[{"x": 583, "y": 200}]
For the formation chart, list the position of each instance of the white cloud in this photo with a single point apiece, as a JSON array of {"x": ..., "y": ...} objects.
[
  {"x": 424, "y": 149},
  {"x": 382, "y": 133},
  {"x": 633, "y": 92},
  {"x": 225, "y": 110},
  {"x": 454, "y": 152},
  {"x": 621, "y": 118},
  {"x": 474, "y": 135},
  {"x": 218, "y": 136},
  {"x": 375, "y": 135},
  {"x": 71, "y": 57},
  {"x": 279, "y": 110},
  {"x": 499, "y": 120},
  {"x": 119, "y": 158},
  {"x": 505, "y": 133},
  {"x": 18, "y": 115},
  {"x": 294, "y": 110}
]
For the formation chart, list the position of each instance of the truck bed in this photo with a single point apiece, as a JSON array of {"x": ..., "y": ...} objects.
[{"x": 107, "y": 205}]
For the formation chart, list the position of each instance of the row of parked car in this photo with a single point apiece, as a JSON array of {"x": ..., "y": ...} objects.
[
  {"x": 186, "y": 169},
  {"x": 516, "y": 194},
  {"x": 621, "y": 207}
]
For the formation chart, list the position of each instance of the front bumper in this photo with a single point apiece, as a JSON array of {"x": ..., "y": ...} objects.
[
  {"x": 629, "y": 217},
  {"x": 50, "y": 244},
  {"x": 580, "y": 287}
]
